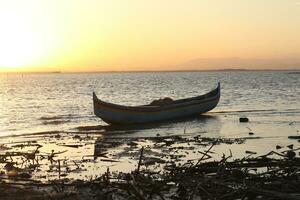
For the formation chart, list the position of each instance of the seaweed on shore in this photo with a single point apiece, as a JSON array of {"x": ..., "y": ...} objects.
[
  {"x": 260, "y": 177},
  {"x": 163, "y": 170}
]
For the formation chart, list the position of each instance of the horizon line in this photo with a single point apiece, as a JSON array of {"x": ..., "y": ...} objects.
[{"x": 140, "y": 71}]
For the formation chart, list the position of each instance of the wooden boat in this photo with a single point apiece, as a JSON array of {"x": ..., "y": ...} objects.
[{"x": 155, "y": 112}]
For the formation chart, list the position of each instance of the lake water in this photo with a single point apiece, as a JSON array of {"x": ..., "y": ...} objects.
[
  {"x": 49, "y": 102},
  {"x": 34, "y": 103}
]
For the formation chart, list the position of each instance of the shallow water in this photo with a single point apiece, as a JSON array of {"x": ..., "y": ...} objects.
[
  {"x": 51, "y": 102},
  {"x": 62, "y": 103}
]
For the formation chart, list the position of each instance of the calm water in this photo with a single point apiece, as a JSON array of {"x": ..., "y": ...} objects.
[{"x": 49, "y": 102}]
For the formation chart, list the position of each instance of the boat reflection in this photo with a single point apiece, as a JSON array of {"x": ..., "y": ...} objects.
[{"x": 157, "y": 125}]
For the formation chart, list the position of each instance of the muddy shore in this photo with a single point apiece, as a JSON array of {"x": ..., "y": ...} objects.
[{"x": 92, "y": 163}]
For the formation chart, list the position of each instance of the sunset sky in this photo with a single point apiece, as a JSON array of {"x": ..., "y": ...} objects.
[{"x": 120, "y": 35}]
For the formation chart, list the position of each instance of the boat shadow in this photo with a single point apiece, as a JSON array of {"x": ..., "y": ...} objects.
[
  {"x": 170, "y": 123},
  {"x": 116, "y": 136}
]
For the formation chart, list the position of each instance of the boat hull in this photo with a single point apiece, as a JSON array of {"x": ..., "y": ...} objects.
[{"x": 117, "y": 114}]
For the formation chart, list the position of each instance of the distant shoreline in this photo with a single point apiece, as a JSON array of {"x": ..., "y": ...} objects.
[{"x": 156, "y": 71}]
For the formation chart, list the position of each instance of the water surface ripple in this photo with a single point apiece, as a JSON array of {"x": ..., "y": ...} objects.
[{"x": 51, "y": 102}]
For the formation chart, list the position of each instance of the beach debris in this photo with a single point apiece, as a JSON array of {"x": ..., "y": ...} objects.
[
  {"x": 291, "y": 123},
  {"x": 108, "y": 160},
  {"x": 4, "y": 147},
  {"x": 244, "y": 119},
  {"x": 250, "y": 133},
  {"x": 140, "y": 160},
  {"x": 162, "y": 172},
  {"x": 250, "y": 152},
  {"x": 152, "y": 161},
  {"x": 15, "y": 172},
  {"x": 290, "y": 154},
  {"x": 9, "y": 167},
  {"x": 24, "y": 175},
  {"x": 291, "y": 146},
  {"x": 77, "y": 137},
  {"x": 206, "y": 153},
  {"x": 71, "y": 145}
]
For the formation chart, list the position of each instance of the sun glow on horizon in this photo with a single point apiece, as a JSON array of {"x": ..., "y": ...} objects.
[
  {"x": 137, "y": 35},
  {"x": 22, "y": 43}
]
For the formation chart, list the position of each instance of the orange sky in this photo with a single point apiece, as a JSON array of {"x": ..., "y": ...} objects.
[{"x": 113, "y": 35}]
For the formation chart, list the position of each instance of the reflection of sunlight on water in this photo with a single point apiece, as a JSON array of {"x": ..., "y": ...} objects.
[
  {"x": 119, "y": 152},
  {"x": 27, "y": 99},
  {"x": 60, "y": 104}
]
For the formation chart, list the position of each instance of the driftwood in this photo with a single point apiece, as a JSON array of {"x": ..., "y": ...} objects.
[
  {"x": 252, "y": 177},
  {"x": 223, "y": 179}
]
